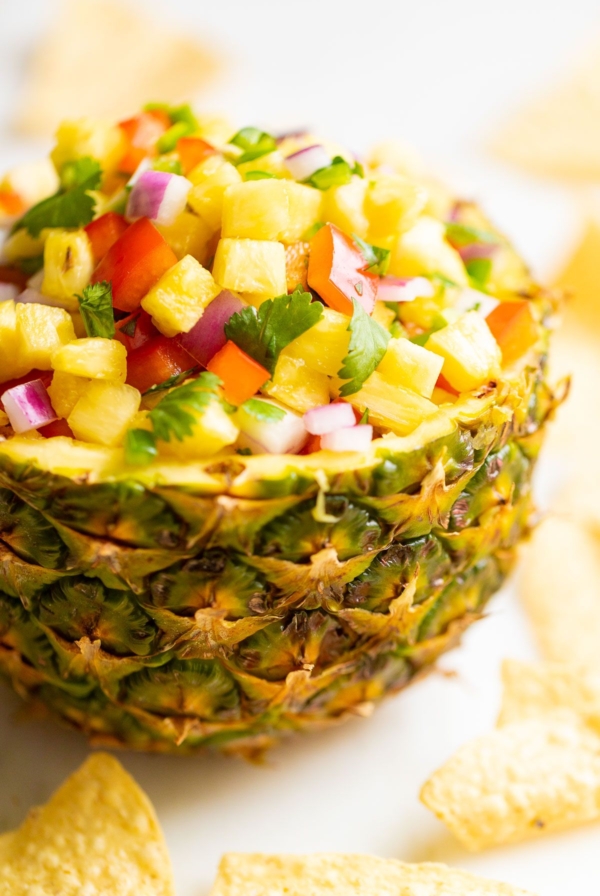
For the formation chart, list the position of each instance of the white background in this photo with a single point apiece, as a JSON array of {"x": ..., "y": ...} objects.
[{"x": 442, "y": 75}]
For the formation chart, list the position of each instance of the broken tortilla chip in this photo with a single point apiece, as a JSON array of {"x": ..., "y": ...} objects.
[
  {"x": 535, "y": 689},
  {"x": 97, "y": 835},
  {"x": 147, "y": 60},
  {"x": 346, "y": 875},
  {"x": 521, "y": 780},
  {"x": 557, "y": 134}
]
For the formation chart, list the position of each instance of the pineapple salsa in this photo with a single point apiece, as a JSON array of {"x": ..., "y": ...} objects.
[{"x": 170, "y": 291}]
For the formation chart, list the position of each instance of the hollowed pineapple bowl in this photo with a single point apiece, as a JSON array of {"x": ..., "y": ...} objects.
[{"x": 269, "y": 422}]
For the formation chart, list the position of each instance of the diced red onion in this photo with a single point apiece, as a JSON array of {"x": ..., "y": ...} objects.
[
  {"x": 329, "y": 417},
  {"x": 350, "y": 438},
  {"x": 290, "y": 135},
  {"x": 28, "y": 406},
  {"x": 159, "y": 196},
  {"x": 285, "y": 436},
  {"x": 404, "y": 289},
  {"x": 145, "y": 165},
  {"x": 8, "y": 292},
  {"x": 305, "y": 162},
  {"x": 207, "y": 337},
  {"x": 36, "y": 280},
  {"x": 477, "y": 250}
]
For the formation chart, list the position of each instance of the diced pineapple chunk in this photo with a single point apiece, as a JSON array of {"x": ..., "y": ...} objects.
[
  {"x": 273, "y": 163},
  {"x": 423, "y": 250},
  {"x": 68, "y": 265},
  {"x": 297, "y": 385},
  {"x": 384, "y": 315},
  {"x": 410, "y": 365},
  {"x": 41, "y": 331},
  {"x": 104, "y": 413},
  {"x": 251, "y": 266},
  {"x": 270, "y": 210},
  {"x": 344, "y": 207},
  {"x": 12, "y": 365},
  {"x": 214, "y": 430},
  {"x": 21, "y": 244},
  {"x": 32, "y": 181},
  {"x": 211, "y": 178},
  {"x": 391, "y": 406},
  {"x": 178, "y": 300},
  {"x": 392, "y": 204},
  {"x": 188, "y": 235},
  {"x": 325, "y": 345},
  {"x": 65, "y": 390},
  {"x": 96, "y": 358},
  {"x": 88, "y": 137},
  {"x": 471, "y": 354},
  {"x": 401, "y": 157}
]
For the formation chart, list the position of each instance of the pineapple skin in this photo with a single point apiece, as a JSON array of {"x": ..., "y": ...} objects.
[{"x": 227, "y": 615}]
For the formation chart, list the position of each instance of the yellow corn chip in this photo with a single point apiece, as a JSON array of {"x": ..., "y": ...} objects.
[
  {"x": 535, "y": 689},
  {"x": 97, "y": 836},
  {"x": 105, "y": 58},
  {"x": 521, "y": 780},
  {"x": 345, "y": 875},
  {"x": 558, "y": 134}
]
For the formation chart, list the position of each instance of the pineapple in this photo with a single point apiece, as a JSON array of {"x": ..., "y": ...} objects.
[
  {"x": 32, "y": 181},
  {"x": 220, "y": 595},
  {"x": 179, "y": 298},
  {"x": 96, "y": 358},
  {"x": 104, "y": 412}
]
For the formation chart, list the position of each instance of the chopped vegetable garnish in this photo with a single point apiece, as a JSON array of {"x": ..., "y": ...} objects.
[
  {"x": 336, "y": 271},
  {"x": 368, "y": 344},
  {"x": 377, "y": 259},
  {"x": 463, "y": 235},
  {"x": 104, "y": 233},
  {"x": 241, "y": 375},
  {"x": 263, "y": 410},
  {"x": 71, "y": 206},
  {"x": 96, "y": 309},
  {"x": 254, "y": 142},
  {"x": 336, "y": 174}
]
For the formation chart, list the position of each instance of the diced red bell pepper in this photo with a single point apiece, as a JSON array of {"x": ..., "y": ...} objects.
[
  {"x": 11, "y": 203},
  {"x": 141, "y": 134},
  {"x": 242, "y": 376},
  {"x": 442, "y": 383},
  {"x": 104, "y": 233},
  {"x": 56, "y": 428},
  {"x": 8, "y": 274},
  {"x": 336, "y": 271},
  {"x": 135, "y": 330},
  {"x": 156, "y": 361},
  {"x": 44, "y": 375},
  {"x": 514, "y": 329},
  {"x": 312, "y": 444},
  {"x": 192, "y": 151},
  {"x": 135, "y": 263}
]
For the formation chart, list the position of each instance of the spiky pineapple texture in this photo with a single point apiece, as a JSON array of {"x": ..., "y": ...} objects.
[{"x": 161, "y": 618}]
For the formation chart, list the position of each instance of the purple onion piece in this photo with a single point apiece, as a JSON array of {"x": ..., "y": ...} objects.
[
  {"x": 329, "y": 417},
  {"x": 404, "y": 289},
  {"x": 305, "y": 162},
  {"x": 159, "y": 196},
  {"x": 8, "y": 292},
  {"x": 207, "y": 337},
  {"x": 350, "y": 438},
  {"x": 28, "y": 406},
  {"x": 477, "y": 250}
]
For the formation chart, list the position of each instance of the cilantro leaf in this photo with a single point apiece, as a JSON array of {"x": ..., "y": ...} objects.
[
  {"x": 140, "y": 447},
  {"x": 368, "y": 344},
  {"x": 338, "y": 173},
  {"x": 71, "y": 206},
  {"x": 465, "y": 235},
  {"x": 254, "y": 142},
  {"x": 96, "y": 307},
  {"x": 262, "y": 410},
  {"x": 176, "y": 380},
  {"x": 173, "y": 416},
  {"x": 365, "y": 417},
  {"x": 31, "y": 265},
  {"x": 378, "y": 259},
  {"x": 264, "y": 333}
]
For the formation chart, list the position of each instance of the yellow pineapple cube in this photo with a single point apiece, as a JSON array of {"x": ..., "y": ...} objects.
[
  {"x": 272, "y": 163},
  {"x": 471, "y": 355},
  {"x": 270, "y": 210},
  {"x": 214, "y": 430},
  {"x": 412, "y": 366},
  {"x": 401, "y": 157},
  {"x": 12, "y": 364},
  {"x": 32, "y": 181},
  {"x": 211, "y": 178},
  {"x": 42, "y": 330},
  {"x": 251, "y": 266},
  {"x": 297, "y": 385},
  {"x": 68, "y": 265},
  {"x": 324, "y": 346},
  {"x": 65, "y": 390},
  {"x": 384, "y": 315},
  {"x": 188, "y": 235},
  {"x": 178, "y": 300},
  {"x": 392, "y": 406},
  {"x": 104, "y": 413},
  {"x": 96, "y": 358},
  {"x": 21, "y": 244},
  {"x": 392, "y": 204},
  {"x": 345, "y": 207},
  {"x": 423, "y": 250},
  {"x": 88, "y": 137}
]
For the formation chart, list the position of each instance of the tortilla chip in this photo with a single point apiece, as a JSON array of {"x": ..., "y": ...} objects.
[
  {"x": 105, "y": 58},
  {"x": 519, "y": 781},
  {"x": 558, "y": 134},
  {"x": 97, "y": 835},
  {"x": 560, "y": 588},
  {"x": 536, "y": 689},
  {"x": 335, "y": 874}
]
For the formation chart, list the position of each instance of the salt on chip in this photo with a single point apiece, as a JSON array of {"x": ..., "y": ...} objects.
[
  {"x": 560, "y": 588},
  {"x": 336, "y": 874},
  {"x": 98, "y": 835},
  {"x": 106, "y": 58},
  {"x": 536, "y": 689},
  {"x": 558, "y": 133},
  {"x": 528, "y": 777}
]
